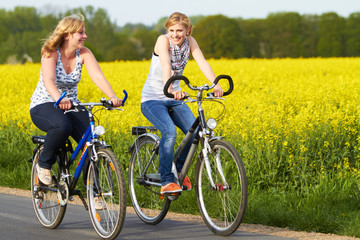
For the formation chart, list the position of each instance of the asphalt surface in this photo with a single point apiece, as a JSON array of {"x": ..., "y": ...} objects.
[{"x": 18, "y": 221}]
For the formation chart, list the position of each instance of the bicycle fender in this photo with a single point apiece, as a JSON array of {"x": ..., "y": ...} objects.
[
  {"x": 34, "y": 152},
  {"x": 153, "y": 136},
  {"x": 215, "y": 138}
]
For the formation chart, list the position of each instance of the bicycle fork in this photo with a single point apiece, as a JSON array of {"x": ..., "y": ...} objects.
[{"x": 205, "y": 151}]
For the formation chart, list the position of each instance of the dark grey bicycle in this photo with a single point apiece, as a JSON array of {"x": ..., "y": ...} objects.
[{"x": 220, "y": 179}]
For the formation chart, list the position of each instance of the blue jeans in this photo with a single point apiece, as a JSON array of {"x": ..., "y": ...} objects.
[
  {"x": 58, "y": 127},
  {"x": 165, "y": 115}
]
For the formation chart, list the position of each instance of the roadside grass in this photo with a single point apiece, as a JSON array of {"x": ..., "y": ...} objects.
[{"x": 332, "y": 206}]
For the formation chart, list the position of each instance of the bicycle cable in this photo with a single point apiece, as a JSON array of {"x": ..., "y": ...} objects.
[{"x": 223, "y": 113}]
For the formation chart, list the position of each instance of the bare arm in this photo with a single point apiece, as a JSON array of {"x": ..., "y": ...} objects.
[
  {"x": 97, "y": 76},
  {"x": 48, "y": 69},
  {"x": 204, "y": 65},
  {"x": 162, "y": 49}
]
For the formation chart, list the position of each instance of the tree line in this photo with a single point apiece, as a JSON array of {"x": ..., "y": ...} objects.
[{"x": 279, "y": 35}]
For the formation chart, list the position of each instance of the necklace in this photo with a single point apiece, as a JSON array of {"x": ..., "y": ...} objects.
[{"x": 67, "y": 60}]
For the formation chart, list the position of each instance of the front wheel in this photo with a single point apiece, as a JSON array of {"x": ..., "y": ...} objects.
[
  {"x": 223, "y": 205},
  {"x": 45, "y": 198},
  {"x": 106, "y": 194}
]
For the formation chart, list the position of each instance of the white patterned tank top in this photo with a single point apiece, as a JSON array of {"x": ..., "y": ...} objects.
[{"x": 64, "y": 82}]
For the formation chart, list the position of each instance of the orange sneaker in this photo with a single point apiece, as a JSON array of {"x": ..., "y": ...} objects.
[
  {"x": 170, "y": 188},
  {"x": 187, "y": 183}
]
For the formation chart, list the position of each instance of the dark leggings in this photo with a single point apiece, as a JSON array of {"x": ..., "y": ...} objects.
[{"x": 58, "y": 127}]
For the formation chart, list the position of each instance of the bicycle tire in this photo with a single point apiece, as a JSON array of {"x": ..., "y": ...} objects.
[
  {"x": 146, "y": 200},
  {"x": 105, "y": 182},
  {"x": 222, "y": 209},
  {"x": 45, "y": 202}
]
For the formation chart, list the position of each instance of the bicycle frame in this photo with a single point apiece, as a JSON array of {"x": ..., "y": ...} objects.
[
  {"x": 86, "y": 142},
  {"x": 198, "y": 129}
]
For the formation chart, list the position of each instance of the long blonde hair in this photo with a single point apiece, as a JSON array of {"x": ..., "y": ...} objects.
[
  {"x": 66, "y": 26},
  {"x": 181, "y": 18}
]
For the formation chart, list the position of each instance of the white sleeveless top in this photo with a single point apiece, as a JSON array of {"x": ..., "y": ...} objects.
[
  {"x": 154, "y": 86},
  {"x": 64, "y": 82}
]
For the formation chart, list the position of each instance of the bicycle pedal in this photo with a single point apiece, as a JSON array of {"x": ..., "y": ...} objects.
[{"x": 171, "y": 196}]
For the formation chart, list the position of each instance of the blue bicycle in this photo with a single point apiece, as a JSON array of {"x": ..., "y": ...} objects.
[{"x": 105, "y": 185}]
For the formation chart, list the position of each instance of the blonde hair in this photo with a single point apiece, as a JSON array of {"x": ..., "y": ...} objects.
[
  {"x": 66, "y": 26},
  {"x": 181, "y": 18}
]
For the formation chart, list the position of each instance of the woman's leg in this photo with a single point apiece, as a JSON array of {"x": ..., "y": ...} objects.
[
  {"x": 58, "y": 128},
  {"x": 183, "y": 119},
  {"x": 158, "y": 114},
  {"x": 79, "y": 122}
]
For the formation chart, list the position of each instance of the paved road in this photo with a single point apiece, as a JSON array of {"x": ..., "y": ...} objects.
[{"x": 18, "y": 221}]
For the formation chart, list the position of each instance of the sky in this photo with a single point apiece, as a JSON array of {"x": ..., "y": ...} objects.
[{"x": 149, "y": 12}]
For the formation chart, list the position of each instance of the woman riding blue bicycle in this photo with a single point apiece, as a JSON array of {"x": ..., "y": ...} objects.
[
  {"x": 63, "y": 55},
  {"x": 170, "y": 56}
]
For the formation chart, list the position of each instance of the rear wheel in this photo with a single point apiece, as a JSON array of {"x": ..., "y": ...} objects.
[
  {"x": 45, "y": 201},
  {"x": 222, "y": 207},
  {"x": 106, "y": 194},
  {"x": 145, "y": 198}
]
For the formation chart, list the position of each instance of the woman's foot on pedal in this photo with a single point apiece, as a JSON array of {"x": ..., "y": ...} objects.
[
  {"x": 44, "y": 175},
  {"x": 170, "y": 188}
]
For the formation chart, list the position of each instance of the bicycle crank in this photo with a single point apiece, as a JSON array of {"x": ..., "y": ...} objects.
[{"x": 63, "y": 193}]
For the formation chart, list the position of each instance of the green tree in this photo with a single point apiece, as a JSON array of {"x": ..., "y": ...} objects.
[
  {"x": 353, "y": 35},
  {"x": 309, "y": 35},
  {"x": 160, "y": 25},
  {"x": 100, "y": 31},
  {"x": 125, "y": 49},
  {"x": 21, "y": 30},
  {"x": 255, "y": 44},
  {"x": 23, "y": 19},
  {"x": 146, "y": 40},
  {"x": 331, "y": 35},
  {"x": 283, "y": 32},
  {"x": 219, "y": 36}
]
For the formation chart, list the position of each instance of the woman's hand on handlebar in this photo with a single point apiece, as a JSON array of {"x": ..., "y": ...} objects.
[
  {"x": 65, "y": 104},
  {"x": 218, "y": 91},
  {"x": 117, "y": 102},
  {"x": 178, "y": 94}
]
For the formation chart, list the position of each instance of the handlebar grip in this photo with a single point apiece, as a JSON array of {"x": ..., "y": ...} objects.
[
  {"x": 56, "y": 104},
  {"x": 125, "y": 97},
  {"x": 171, "y": 80},
  {"x": 231, "y": 83}
]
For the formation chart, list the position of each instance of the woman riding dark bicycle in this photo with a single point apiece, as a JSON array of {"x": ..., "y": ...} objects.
[
  {"x": 63, "y": 55},
  {"x": 170, "y": 56}
]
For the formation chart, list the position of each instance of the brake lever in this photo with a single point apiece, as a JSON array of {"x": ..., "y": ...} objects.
[
  {"x": 71, "y": 110},
  {"x": 120, "y": 109},
  {"x": 211, "y": 96}
]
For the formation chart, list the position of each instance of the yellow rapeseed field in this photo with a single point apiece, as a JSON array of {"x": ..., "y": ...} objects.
[{"x": 289, "y": 118}]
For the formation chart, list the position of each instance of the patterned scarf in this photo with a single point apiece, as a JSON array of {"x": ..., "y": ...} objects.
[{"x": 179, "y": 55}]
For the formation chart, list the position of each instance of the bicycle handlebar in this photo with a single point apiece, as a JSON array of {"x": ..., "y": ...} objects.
[
  {"x": 107, "y": 104},
  {"x": 187, "y": 82},
  {"x": 125, "y": 97}
]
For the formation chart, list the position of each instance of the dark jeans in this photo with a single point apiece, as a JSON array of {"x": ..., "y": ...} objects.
[
  {"x": 180, "y": 115},
  {"x": 58, "y": 127}
]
